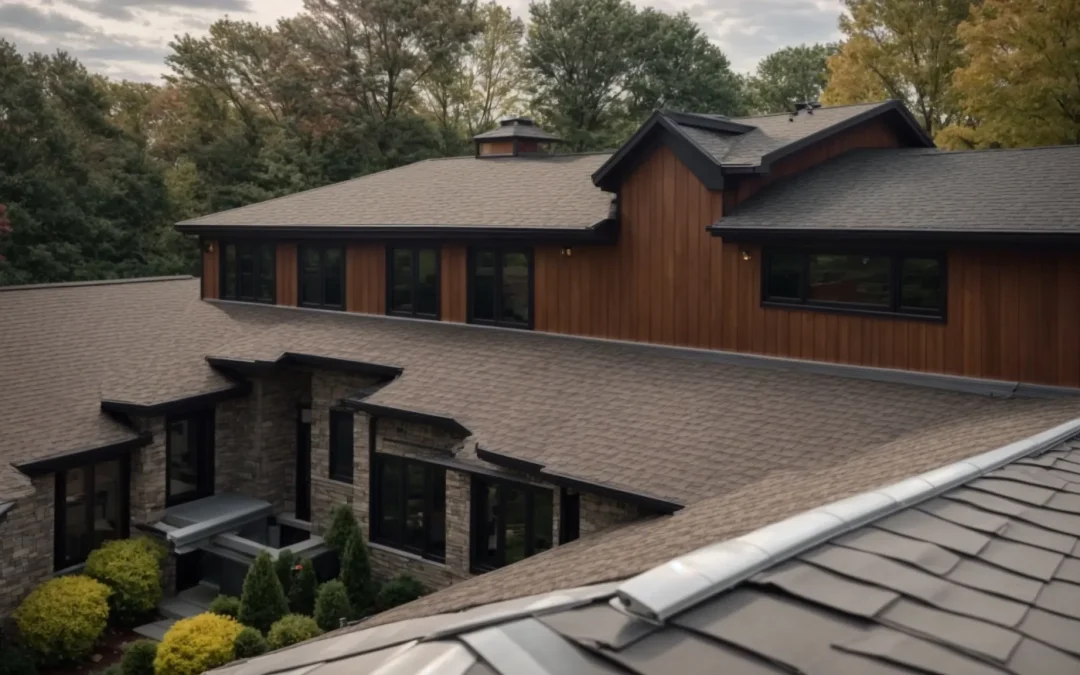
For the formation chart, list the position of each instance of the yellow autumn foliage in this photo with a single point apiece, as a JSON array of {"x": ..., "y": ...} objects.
[
  {"x": 197, "y": 644},
  {"x": 62, "y": 618}
]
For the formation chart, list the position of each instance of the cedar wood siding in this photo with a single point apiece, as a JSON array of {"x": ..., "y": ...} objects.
[
  {"x": 365, "y": 277},
  {"x": 453, "y": 286},
  {"x": 285, "y": 279},
  {"x": 211, "y": 269}
]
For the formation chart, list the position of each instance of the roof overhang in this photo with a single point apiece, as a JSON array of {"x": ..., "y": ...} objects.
[
  {"x": 601, "y": 232},
  {"x": 178, "y": 405},
  {"x": 293, "y": 359},
  {"x": 795, "y": 236},
  {"x": 98, "y": 453},
  {"x": 443, "y": 422}
]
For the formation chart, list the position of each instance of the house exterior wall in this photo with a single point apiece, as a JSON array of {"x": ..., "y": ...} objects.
[
  {"x": 211, "y": 269},
  {"x": 26, "y": 543},
  {"x": 286, "y": 285}
]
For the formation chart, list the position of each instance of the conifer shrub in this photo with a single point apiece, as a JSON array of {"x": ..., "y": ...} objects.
[
  {"x": 302, "y": 594},
  {"x": 226, "y": 605},
  {"x": 291, "y": 629},
  {"x": 356, "y": 575},
  {"x": 332, "y": 606},
  {"x": 249, "y": 643},
  {"x": 263, "y": 600},
  {"x": 139, "y": 658},
  {"x": 398, "y": 591}
]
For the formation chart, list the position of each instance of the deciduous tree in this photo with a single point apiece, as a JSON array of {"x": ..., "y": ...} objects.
[{"x": 787, "y": 76}]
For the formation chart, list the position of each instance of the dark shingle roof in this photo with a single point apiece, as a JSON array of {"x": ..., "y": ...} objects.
[
  {"x": 516, "y": 128},
  {"x": 506, "y": 192},
  {"x": 1027, "y": 190}
]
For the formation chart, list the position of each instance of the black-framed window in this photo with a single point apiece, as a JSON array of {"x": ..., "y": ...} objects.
[
  {"x": 341, "y": 445},
  {"x": 412, "y": 281},
  {"x": 569, "y": 515},
  {"x": 189, "y": 457},
  {"x": 408, "y": 505},
  {"x": 92, "y": 507},
  {"x": 510, "y": 522},
  {"x": 322, "y": 276},
  {"x": 501, "y": 287},
  {"x": 906, "y": 284},
  {"x": 247, "y": 271}
]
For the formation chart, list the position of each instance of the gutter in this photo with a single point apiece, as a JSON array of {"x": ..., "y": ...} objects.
[{"x": 682, "y": 583}]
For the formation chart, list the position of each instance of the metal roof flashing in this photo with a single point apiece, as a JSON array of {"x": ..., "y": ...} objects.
[{"x": 682, "y": 583}]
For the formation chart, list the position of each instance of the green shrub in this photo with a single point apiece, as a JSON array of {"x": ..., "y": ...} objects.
[
  {"x": 131, "y": 568},
  {"x": 226, "y": 605},
  {"x": 343, "y": 527},
  {"x": 249, "y": 643},
  {"x": 155, "y": 547},
  {"x": 291, "y": 629},
  {"x": 356, "y": 575},
  {"x": 263, "y": 601},
  {"x": 398, "y": 591},
  {"x": 114, "y": 669},
  {"x": 302, "y": 594},
  {"x": 196, "y": 645},
  {"x": 139, "y": 658},
  {"x": 15, "y": 661},
  {"x": 62, "y": 618},
  {"x": 332, "y": 605},
  {"x": 285, "y": 568}
]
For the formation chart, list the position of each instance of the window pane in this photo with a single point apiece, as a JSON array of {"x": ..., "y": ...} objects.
[
  {"x": 483, "y": 287},
  {"x": 515, "y": 287},
  {"x": 921, "y": 284},
  {"x": 341, "y": 445},
  {"x": 266, "y": 273},
  {"x": 437, "y": 543},
  {"x": 76, "y": 538},
  {"x": 486, "y": 524},
  {"x": 402, "y": 279},
  {"x": 228, "y": 290},
  {"x": 542, "y": 517},
  {"x": 311, "y": 275},
  {"x": 852, "y": 279},
  {"x": 785, "y": 276},
  {"x": 390, "y": 498},
  {"x": 107, "y": 490},
  {"x": 513, "y": 510},
  {"x": 427, "y": 300},
  {"x": 247, "y": 272},
  {"x": 183, "y": 459},
  {"x": 414, "y": 506},
  {"x": 333, "y": 277}
]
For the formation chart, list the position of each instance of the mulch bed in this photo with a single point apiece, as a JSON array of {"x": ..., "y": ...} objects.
[{"x": 110, "y": 650}]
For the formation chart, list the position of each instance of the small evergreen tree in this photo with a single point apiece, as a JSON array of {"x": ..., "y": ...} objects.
[
  {"x": 249, "y": 643},
  {"x": 285, "y": 568},
  {"x": 139, "y": 658},
  {"x": 263, "y": 600},
  {"x": 302, "y": 594},
  {"x": 343, "y": 527},
  {"x": 332, "y": 605},
  {"x": 356, "y": 575}
]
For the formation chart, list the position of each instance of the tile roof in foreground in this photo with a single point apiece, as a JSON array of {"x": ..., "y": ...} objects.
[{"x": 973, "y": 570}]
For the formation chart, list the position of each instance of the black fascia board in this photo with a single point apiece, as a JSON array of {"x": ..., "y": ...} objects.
[
  {"x": 176, "y": 405},
  {"x": 378, "y": 410},
  {"x": 803, "y": 235},
  {"x": 242, "y": 366},
  {"x": 711, "y": 123},
  {"x": 599, "y": 232},
  {"x": 99, "y": 453},
  {"x": 652, "y": 502},
  {"x": 659, "y": 130}
]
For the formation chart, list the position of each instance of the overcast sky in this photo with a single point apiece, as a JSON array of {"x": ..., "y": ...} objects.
[{"x": 129, "y": 38}]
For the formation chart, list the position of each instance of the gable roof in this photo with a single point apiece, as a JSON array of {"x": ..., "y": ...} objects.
[
  {"x": 520, "y": 194},
  {"x": 972, "y": 568},
  {"x": 1028, "y": 191}
]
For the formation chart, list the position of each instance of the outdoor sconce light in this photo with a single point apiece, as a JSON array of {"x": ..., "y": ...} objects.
[
  {"x": 209, "y": 247},
  {"x": 567, "y": 251},
  {"x": 305, "y": 416},
  {"x": 745, "y": 254}
]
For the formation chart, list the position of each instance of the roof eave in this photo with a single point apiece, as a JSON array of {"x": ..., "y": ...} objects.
[
  {"x": 599, "y": 231},
  {"x": 183, "y": 404},
  {"x": 97, "y": 453},
  {"x": 789, "y": 235},
  {"x": 609, "y": 176}
]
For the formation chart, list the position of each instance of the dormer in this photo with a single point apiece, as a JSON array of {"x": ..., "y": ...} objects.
[{"x": 514, "y": 137}]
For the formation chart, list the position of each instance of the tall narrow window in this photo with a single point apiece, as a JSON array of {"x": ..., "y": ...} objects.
[
  {"x": 511, "y": 521},
  {"x": 322, "y": 276},
  {"x": 569, "y": 515},
  {"x": 189, "y": 457},
  {"x": 247, "y": 271},
  {"x": 500, "y": 287},
  {"x": 408, "y": 505},
  {"x": 92, "y": 507},
  {"x": 341, "y": 445},
  {"x": 413, "y": 282}
]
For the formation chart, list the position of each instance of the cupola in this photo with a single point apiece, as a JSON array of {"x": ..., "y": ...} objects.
[{"x": 514, "y": 137}]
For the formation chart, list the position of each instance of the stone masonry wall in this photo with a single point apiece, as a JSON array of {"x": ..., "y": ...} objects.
[
  {"x": 600, "y": 513},
  {"x": 148, "y": 474},
  {"x": 26, "y": 544}
]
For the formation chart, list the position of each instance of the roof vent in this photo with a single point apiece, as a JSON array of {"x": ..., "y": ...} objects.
[
  {"x": 515, "y": 136},
  {"x": 808, "y": 106}
]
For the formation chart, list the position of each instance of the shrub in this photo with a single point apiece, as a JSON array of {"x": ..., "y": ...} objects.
[
  {"x": 262, "y": 602},
  {"x": 195, "y": 645},
  {"x": 356, "y": 574},
  {"x": 139, "y": 658},
  {"x": 114, "y": 669},
  {"x": 132, "y": 569},
  {"x": 226, "y": 605},
  {"x": 154, "y": 547},
  {"x": 63, "y": 618},
  {"x": 398, "y": 591},
  {"x": 14, "y": 661},
  {"x": 343, "y": 527},
  {"x": 249, "y": 643},
  {"x": 332, "y": 605},
  {"x": 285, "y": 568},
  {"x": 290, "y": 629},
  {"x": 302, "y": 594}
]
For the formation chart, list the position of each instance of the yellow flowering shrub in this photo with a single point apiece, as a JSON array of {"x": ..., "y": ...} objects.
[
  {"x": 131, "y": 568},
  {"x": 62, "y": 618},
  {"x": 198, "y": 644}
]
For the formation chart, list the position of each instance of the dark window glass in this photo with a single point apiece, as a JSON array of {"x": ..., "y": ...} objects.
[
  {"x": 189, "y": 457},
  {"x": 851, "y": 279},
  {"x": 569, "y": 515},
  {"x": 427, "y": 282},
  {"x": 334, "y": 277},
  {"x": 511, "y": 521},
  {"x": 228, "y": 288},
  {"x": 413, "y": 283},
  {"x": 92, "y": 508},
  {"x": 409, "y": 505},
  {"x": 341, "y": 445},
  {"x": 785, "y": 276},
  {"x": 402, "y": 280},
  {"x": 322, "y": 277},
  {"x": 501, "y": 287},
  {"x": 247, "y": 271},
  {"x": 921, "y": 285},
  {"x": 265, "y": 267},
  {"x": 76, "y": 525}
]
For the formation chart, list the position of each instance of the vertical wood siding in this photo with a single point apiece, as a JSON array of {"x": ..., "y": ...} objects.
[
  {"x": 211, "y": 269},
  {"x": 285, "y": 279},
  {"x": 453, "y": 288},
  {"x": 365, "y": 278}
]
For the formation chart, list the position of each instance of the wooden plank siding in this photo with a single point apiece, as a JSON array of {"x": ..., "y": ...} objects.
[
  {"x": 365, "y": 278},
  {"x": 285, "y": 279},
  {"x": 453, "y": 298},
  {"x": 211, "y": 269}
]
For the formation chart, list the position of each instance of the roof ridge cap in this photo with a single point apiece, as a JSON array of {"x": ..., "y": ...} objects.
[
  {"x": 824, "y": 107},
  {"x": 95, "y": 282},
  {"x": 682, "y": 583}
]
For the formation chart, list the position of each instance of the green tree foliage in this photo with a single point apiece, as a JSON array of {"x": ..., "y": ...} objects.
[
  {"x": 285, "y": 568},
  {"x": 249, "y": 643},
  {"x": 225, "y": 605},
  {"x": 302, "y": 593},
  {"x": 291, "y": 629},
  {"x": 356, "y": 575},
  {"x": 263, "y": 600},
  {"x": 332, "y": 606},
  {"x": 398, "y": 591},
  {"x": 342, "y": 529},
  {"x": 139, "y": 658},
  {"x": 787, "y": 76}
]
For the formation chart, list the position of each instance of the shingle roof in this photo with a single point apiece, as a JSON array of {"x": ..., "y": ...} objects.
[
  {"x": 494, "y": 192},
  {"x": 515, "y": 129},
  {"x": 983, "y": 578},
  {"x": 1026, "y": 190}
]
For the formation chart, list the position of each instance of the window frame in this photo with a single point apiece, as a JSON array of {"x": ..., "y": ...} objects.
[
  {"x": 205, "y": 455},
  {"x": 500, "y": 252},
  {"x": 478, "y": 490},
  {"x": 333, "y": 464},
  {"x": 431, "y": 472},
  {"x": 322, "y": 248},
  {"x": 255, "y": 244},
  {"x": 60, "y": 507},
  {"x": 415, "y": 281},
  {"x": 896, "y": 259}
]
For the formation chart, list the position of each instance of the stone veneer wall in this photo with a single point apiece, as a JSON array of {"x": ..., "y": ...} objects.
[
  {"x": 600, "y": 513},
  {"x": 26, "y": 543}
]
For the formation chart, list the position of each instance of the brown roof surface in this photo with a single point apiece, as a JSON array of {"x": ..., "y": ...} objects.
[{"x": 495, "y": 192}]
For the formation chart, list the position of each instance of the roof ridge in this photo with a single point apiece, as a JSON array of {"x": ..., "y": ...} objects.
[
  {"x": 97, "y": 282},
  {"x": 824, "y": 107},
  {"x": 940, "y": 152},
  {"x": 687, "y": 580}
]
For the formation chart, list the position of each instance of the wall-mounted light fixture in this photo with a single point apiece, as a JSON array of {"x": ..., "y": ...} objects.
[
  {"x": 209, "y": 247},
  {"x": 566, "y": 251},
  {"x": 744, "y": 254}
]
